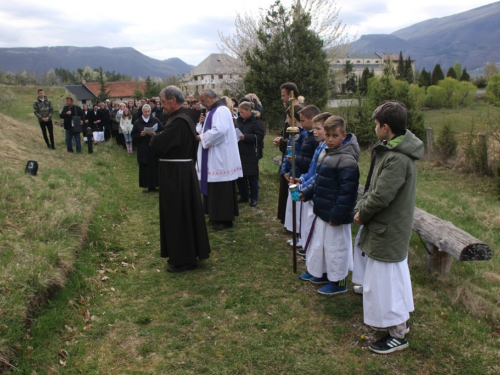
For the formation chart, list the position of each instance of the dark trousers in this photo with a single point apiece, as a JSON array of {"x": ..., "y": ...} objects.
[
  {"x": 107, "y": 132},
  {"x": 69, "y": 140},
  {"x": 47, "y": 126},
  {"x": 244, "y": 182}
]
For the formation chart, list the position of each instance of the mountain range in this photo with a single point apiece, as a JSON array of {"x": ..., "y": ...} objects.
[
  {"x": 123, "y": 60},
  {"x": 471, "y": 37}
]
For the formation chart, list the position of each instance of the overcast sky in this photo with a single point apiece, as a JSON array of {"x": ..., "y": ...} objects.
[{"x": 185, "y": 29}]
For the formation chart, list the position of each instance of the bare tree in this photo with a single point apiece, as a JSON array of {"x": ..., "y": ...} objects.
[
  {"x": 489, "y": 70},
  {"x": 325, "y": 22}
]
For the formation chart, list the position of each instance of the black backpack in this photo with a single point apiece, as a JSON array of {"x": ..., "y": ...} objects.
[{"x": 31, "y": 167}]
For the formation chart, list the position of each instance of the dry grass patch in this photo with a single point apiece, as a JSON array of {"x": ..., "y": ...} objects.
[{"x": 43, "y": 222}]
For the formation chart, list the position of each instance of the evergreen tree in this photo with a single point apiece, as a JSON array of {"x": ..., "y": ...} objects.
[
  {"x": 465, "y": 76},
  {"x": 287, "y": 51},
  {"x": 401, "y": 68},
  {"x": 451, "y": 73},
  {"x": 152, "y": 88},
  {"x": 408, "y": 71},
  {"x": 437, "y": 75},
  {"x": 103, "y": 87},
  {"x": 424, "y": 78},
  {"x": 138, "y": 94},
  {"x": 351, "y": 84},
  {"x": 363, "y": 83}
]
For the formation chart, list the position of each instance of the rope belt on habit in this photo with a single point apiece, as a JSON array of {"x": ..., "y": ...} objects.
[{"x": 176, "y": 160}]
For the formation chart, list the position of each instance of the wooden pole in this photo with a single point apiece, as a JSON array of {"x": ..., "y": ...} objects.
[
  {"x": 483, "y": 153},
  {"x": 292, "y": 130}
]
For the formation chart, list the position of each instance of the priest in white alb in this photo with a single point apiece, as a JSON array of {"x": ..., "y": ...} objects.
[{"x": 218, "y": 164}]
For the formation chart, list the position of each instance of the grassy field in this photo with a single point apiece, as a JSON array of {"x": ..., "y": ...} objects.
[
  {"x": 461, "y": 118},
  {"x": 84, "y": 224},
  {"x": 22, "y": 109}
]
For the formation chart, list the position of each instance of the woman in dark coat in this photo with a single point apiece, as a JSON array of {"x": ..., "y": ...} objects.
[
  {"x": 148, "y": 164},
  {"x": 250, "y": 146}
]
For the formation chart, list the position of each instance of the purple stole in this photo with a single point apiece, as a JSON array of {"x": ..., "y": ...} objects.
[{"x": 204, "y": 153}]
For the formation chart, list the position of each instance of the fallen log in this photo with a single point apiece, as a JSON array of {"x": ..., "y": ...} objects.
[{"x": 445, "y": 241}]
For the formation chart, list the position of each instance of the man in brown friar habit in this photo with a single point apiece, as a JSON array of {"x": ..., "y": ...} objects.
[{"x": 183, "y": 232}]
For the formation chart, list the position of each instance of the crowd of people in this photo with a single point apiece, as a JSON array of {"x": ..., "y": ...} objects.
[{"x": 203, "y": 152}]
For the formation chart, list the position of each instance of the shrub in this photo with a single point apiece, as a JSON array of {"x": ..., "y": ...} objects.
[
  {"x": 7, "y": 97},
  {"x": 447, "y": 143},
  {"x": 476, "y": 151},
  {"x": 493, "y": 89},
  {"x": 436, "y": 97}
]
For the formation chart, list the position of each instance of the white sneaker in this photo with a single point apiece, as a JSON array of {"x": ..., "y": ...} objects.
[
  {"x": 289, "y": 241},
  {"x": 298, "y": 244},
  {"x": 358, "y": 289}
]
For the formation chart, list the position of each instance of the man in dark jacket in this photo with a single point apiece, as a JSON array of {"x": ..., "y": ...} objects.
[
  {"x": 43, "y": 111},
  {"x": 69, "y": 111}
]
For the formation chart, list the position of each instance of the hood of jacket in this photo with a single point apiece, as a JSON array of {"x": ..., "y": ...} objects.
[
  {"x": 407, "y": 144},
  {"x": 349, "y": 146}
]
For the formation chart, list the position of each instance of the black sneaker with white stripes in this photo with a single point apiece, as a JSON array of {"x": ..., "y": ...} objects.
[{"x": 389, "y": 344}]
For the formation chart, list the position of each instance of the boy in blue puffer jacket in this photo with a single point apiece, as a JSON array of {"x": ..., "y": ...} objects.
[
  {"x": 334, "y": 192},
  {"x": 307, "y": 214}
]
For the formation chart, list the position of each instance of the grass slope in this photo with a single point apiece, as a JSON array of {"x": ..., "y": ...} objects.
[{"x": 243, "y": 311}]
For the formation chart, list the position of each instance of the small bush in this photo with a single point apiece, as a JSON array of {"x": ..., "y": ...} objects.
[
  {"x": 493, "y": 89},
  {"x": 447, "y": 142},
  {"x": 476, "y": 152},
  {"x": 7, "y": 98}
]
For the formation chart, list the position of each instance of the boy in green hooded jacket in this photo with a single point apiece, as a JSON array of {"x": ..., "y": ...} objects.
[{"x": 386, "y": 211}]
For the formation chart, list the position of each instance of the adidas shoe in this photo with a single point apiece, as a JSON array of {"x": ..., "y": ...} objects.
[
  {"x": 301, "y": 252},
  {"x": 389, "y": 344},
  {"x": 303, "y": 257},
  {"x": 298, "y": 244},
  {"x": 306, "y": 276},
  {"x": 332, "y": 288},
  {"x": 319, "y": 280}
]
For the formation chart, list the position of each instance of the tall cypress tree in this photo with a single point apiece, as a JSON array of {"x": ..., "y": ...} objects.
[
  {"x": 465, "y": 76},
  {"x": 451, "y": 73},
  {"x": 425, "y": 78},
  {"x": 400, "y": 72},
  {"x": 408, "y": 70},
  {"x": 437, "y": 75},
  {"x": 363, "y": 83},
  {"x": 103, "y": 87}
]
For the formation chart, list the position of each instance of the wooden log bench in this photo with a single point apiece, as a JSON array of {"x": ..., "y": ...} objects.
[{"x": 445, "y": 242}]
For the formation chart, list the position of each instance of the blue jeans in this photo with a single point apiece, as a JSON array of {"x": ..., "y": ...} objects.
[
  {"x": 243, "y": 183},
  {"x": 69, "y": 140}
]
